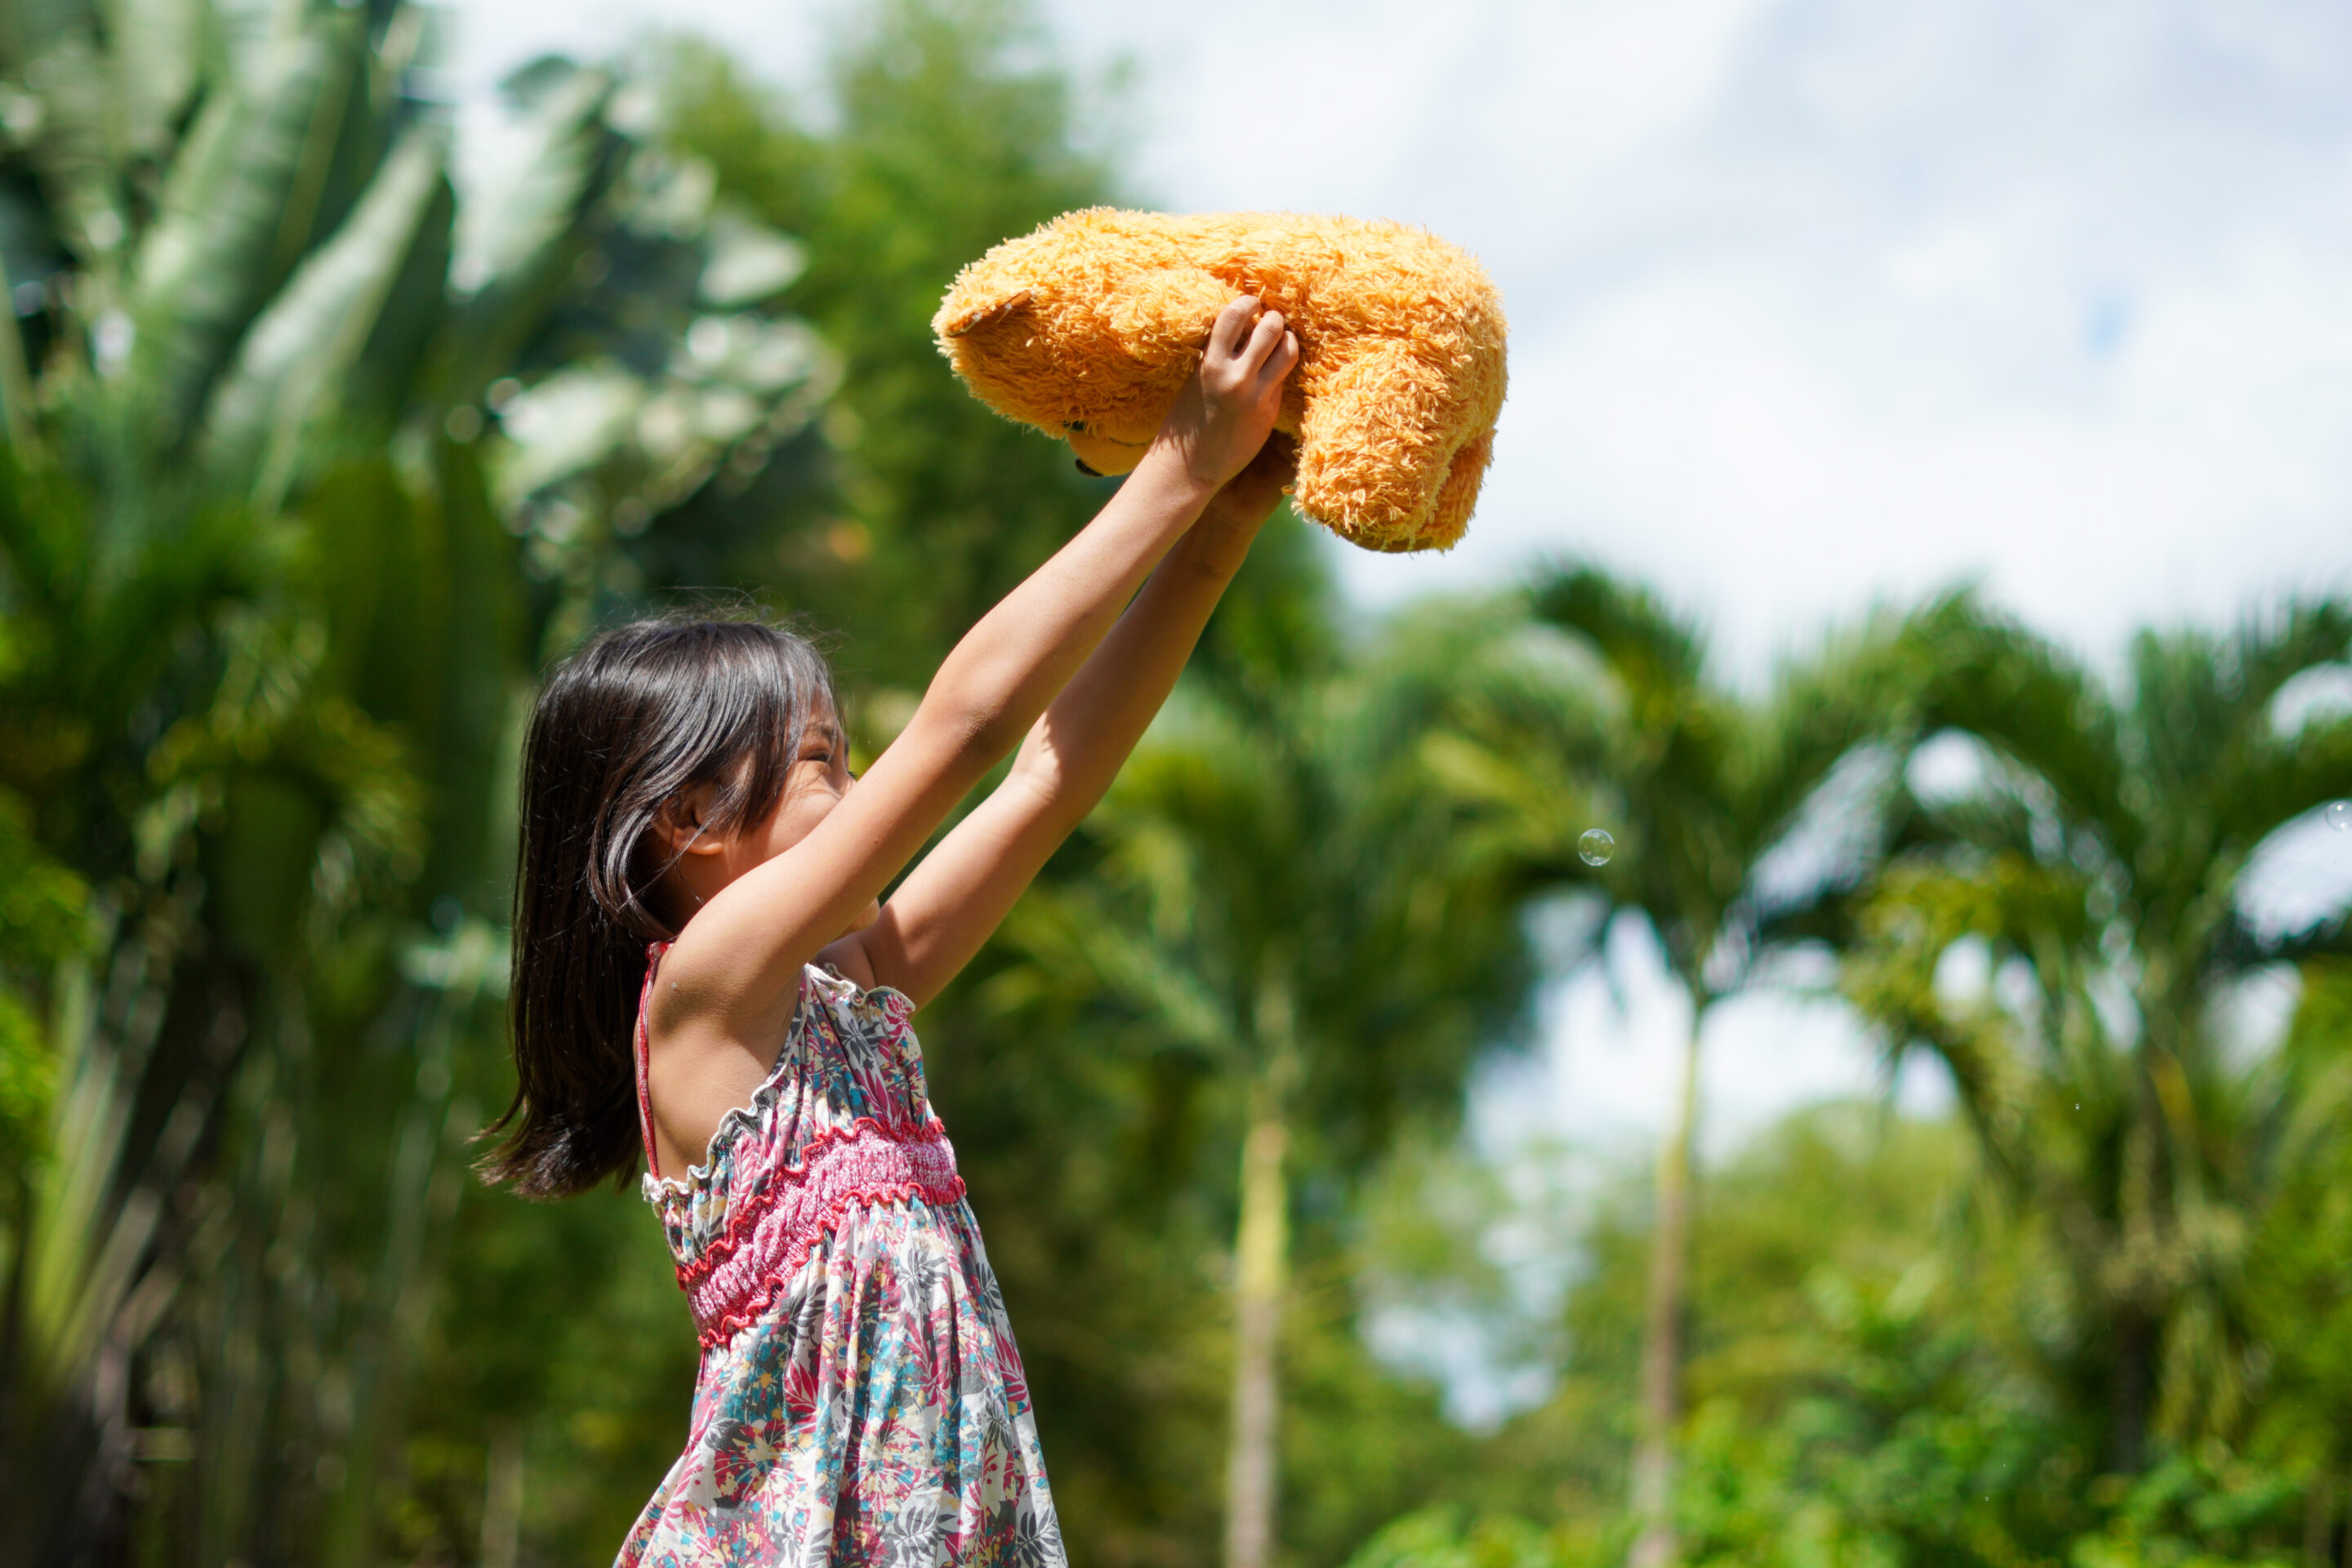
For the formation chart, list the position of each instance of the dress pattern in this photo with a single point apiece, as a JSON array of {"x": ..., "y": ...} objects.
[{"x": 860, "y": 1400}]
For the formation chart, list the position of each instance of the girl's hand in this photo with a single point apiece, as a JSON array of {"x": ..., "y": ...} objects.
[
  {"x": 1225, "y": 412},
  {"x": 1250, "y": 497},
  {"x": 1230, "y": 523}
]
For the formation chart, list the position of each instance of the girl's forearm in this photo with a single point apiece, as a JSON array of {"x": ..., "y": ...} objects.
[
  {"x": 955, "y": 896},
  {"x": 1004, "y": 670},
  {"x": 1078, "y": 745}
]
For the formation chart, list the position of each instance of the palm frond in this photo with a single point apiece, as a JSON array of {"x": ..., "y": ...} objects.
[
  {"x": 237, "y": 213},
  {"x": 297, "y": 360}
]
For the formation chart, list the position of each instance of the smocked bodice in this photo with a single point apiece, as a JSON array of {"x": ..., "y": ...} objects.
[{"x": 842, "y": 1119}]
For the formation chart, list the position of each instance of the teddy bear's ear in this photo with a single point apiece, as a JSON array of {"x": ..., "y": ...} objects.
[{"x": 972, "y": 320}]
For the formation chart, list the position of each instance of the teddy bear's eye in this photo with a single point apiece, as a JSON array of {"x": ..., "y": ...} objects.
[{"x": 1076, "y": 426}]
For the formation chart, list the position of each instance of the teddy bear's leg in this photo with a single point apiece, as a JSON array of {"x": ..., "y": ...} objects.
[
  {"x": 1460, "y": 491},
  {"x": 1373, "y": 445}
]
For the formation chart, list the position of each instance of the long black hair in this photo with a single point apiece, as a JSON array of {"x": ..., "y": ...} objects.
[{"x": 637, "y": 716}]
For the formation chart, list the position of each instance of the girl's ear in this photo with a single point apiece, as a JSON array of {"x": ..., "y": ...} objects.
[
  {"x": 679, "y": 828},
  {"x": 970, "y": 318}
]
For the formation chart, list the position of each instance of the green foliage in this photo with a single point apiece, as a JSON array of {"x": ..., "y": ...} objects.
[
  {"x": 43, "y": 914},
  {"x": 950, "y": 126},
  {"x": 562, "y": 1332},
  {"x": 1438, "y": 1538},
  {"x": 2294, "y": 1298},
  {"x": 283, "y": 518},
  {"x": 1861, "y": 1396},
  {"x": 2094, "y": 857},
  {"x": 1907, "y": 1448}
]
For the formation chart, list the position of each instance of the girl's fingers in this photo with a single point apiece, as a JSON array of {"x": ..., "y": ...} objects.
[
  {"x": 1267, "y": 337},
  {"x": 1225, "y": 336},
  {"x": 1285, "y": 356}
]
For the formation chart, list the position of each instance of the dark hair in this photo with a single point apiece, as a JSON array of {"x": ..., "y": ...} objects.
[{"x": 640, "y": 714}]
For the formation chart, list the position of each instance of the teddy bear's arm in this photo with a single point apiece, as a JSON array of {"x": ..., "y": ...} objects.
[
  {"x": 1459, "y": 494},
  {"x": 1378, "y": 442}
]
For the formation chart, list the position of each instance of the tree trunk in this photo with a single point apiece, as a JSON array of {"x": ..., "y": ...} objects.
[
  {"x": 2318, "y": 1516},
  {"x": 502, "y": 1497},
  {"x": 12, "y": 1299},
  {"x": 2135, "y": 1336},
  {"x": 1661, "y": 1335},
  {"x": 2147, "y": 1222},
  {"x": 1261, "y": 1251},
  {"x": 15, "y": 381}
]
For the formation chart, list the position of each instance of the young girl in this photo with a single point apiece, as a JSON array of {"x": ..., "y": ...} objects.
[{"x": 701, "y": 969}]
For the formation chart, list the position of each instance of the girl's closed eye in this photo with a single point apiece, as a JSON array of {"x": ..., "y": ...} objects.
[{"x": 822, "y": 747}]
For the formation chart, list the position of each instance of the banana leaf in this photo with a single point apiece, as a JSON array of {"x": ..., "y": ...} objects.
[
  {"x": 295, "y": 361},
  {"x": 234, "y": 218}
]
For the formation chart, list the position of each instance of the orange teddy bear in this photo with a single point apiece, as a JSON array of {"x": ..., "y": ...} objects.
[{"x": 1087, "y": 328}]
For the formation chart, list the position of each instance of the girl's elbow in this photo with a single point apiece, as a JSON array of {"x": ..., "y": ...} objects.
[
  {"x": 974, "y": 736},
  {"x": 1044, "y": 791},
  {"x": 986, "y": 739},
  {"x": 1036, "y": 779}
]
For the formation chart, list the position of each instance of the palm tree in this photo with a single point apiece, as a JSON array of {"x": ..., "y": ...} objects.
[
  {"x": 269, "y": 596},
  {"x": 1698, "y": 785},
  {"x": 1278, "y": 901},
  {"x": 2085, "y": 861}
]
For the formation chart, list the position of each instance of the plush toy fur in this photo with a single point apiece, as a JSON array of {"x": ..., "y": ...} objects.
[{"x": 1087, "y": 329}]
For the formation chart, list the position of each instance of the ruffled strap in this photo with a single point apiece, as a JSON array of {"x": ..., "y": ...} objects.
[{"x": 644, "y": 1052}]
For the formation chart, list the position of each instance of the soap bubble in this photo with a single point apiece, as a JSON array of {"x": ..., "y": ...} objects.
[
  {"x": 2339, "y": 816},
  {"x": 1595, "y": 848}
]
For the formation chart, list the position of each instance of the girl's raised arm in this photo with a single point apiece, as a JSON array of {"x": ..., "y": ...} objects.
[
  {"x": 951, "y": 901},
  {"x": 735, "y": 969}
]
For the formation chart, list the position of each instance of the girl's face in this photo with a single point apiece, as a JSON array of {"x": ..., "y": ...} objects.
[{"x": 817, "y": 781}]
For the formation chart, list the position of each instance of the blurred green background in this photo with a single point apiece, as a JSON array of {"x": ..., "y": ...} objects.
[{"x": 311, "y": 466}]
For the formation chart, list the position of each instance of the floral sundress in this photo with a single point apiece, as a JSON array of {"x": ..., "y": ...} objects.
[{"x": 860, "y": 1400}]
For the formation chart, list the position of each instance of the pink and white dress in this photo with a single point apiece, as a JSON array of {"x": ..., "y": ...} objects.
[{"x": 860, "y": 1400}]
